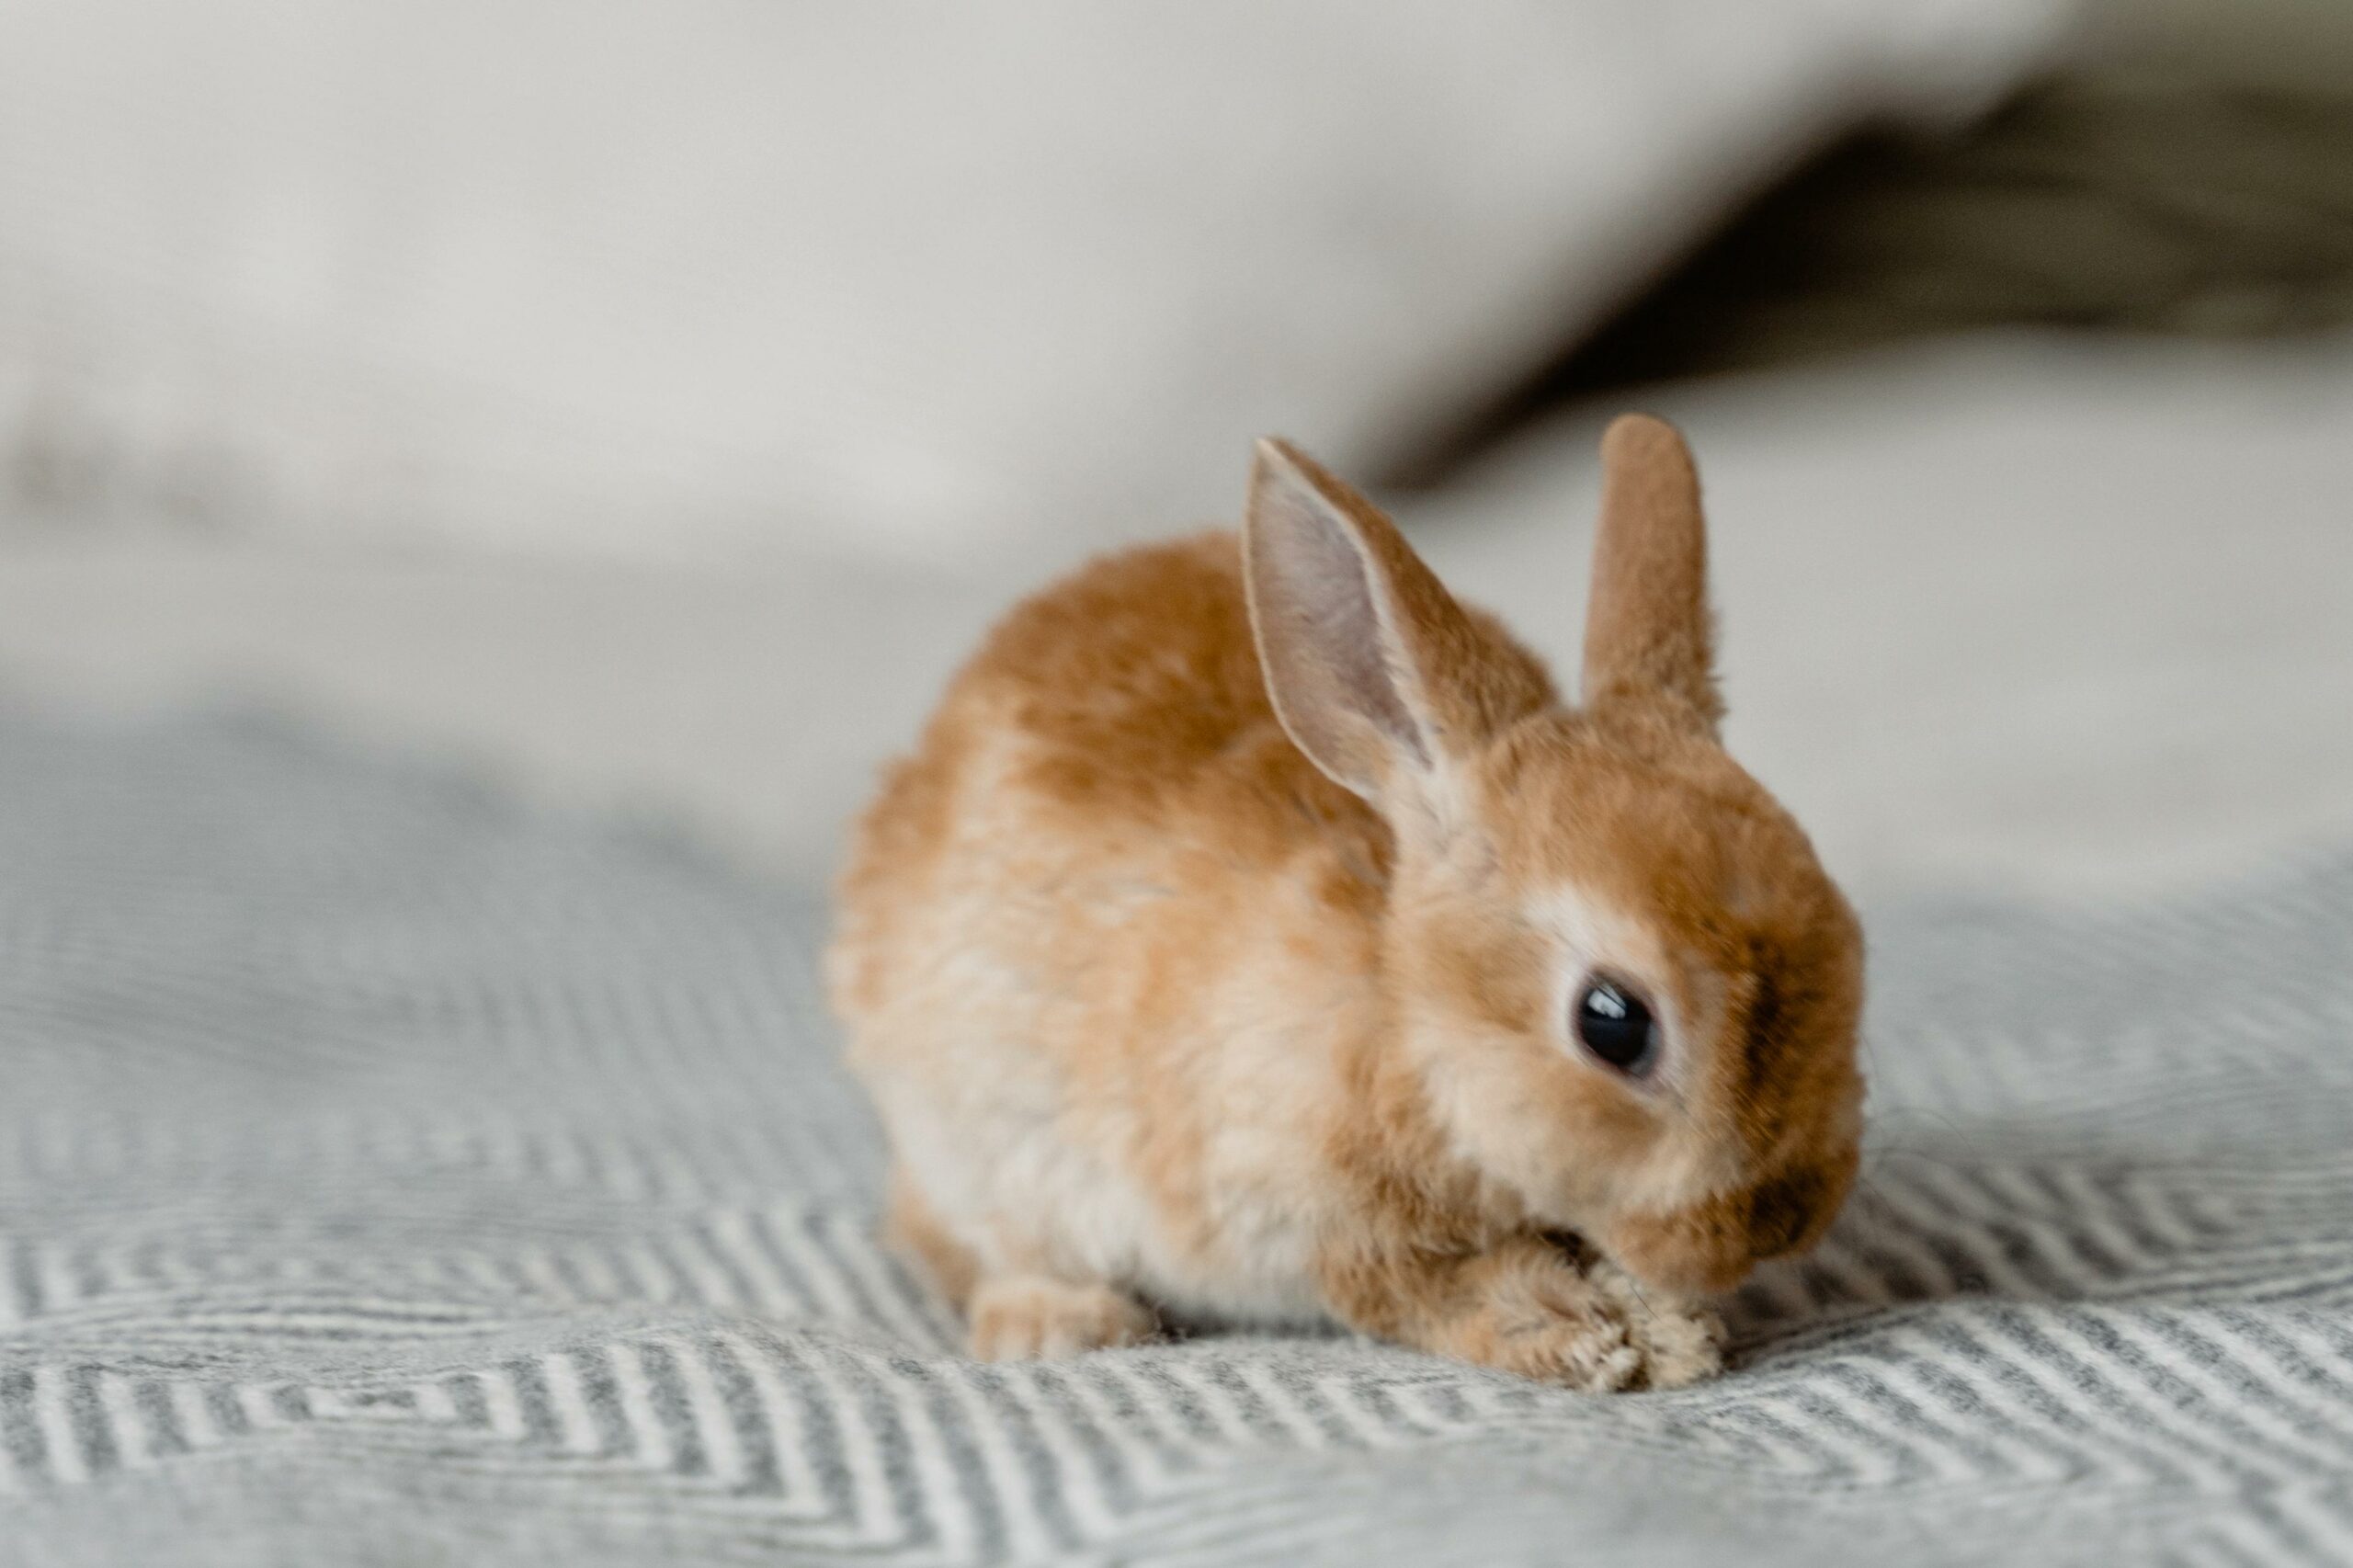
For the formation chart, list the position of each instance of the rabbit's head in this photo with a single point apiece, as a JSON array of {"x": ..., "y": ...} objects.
[{"x": 1626, "y": 985}]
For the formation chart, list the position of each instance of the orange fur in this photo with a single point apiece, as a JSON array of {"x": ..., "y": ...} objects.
[{"x": 1255, "y": 1007}]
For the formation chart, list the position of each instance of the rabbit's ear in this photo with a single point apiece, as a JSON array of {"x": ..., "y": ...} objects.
[
  {"x": 1648, "y": 630},
  {"x": 1362, "y": 646}
]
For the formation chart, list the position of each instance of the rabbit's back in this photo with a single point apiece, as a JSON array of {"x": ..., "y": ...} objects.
[{"x": 1112, "y": 724}]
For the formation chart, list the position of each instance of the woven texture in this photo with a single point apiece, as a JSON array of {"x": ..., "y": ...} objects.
[{"x": 390, "y": 1174}]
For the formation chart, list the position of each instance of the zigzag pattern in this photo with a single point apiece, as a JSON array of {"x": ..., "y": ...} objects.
[{"x": 388, "y": 1174}]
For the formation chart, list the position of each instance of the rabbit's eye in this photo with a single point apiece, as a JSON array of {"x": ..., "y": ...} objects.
[{"x": 1616, "y": 1026}]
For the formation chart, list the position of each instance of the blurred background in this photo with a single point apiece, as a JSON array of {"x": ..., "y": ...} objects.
[{"x": 648, "y": 404}]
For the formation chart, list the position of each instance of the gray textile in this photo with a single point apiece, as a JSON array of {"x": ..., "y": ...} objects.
[{"x": 391, "y": 1174}]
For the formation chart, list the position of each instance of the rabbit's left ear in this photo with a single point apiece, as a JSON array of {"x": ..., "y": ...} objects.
[
  {"x": 1649, "y": 634},
  {"x": 1374, "y": 671}
]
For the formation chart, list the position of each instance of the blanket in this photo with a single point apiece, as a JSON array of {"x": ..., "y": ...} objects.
[{"x": 393, "y": 1171}]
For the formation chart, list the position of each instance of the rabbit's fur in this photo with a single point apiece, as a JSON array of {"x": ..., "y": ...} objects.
[{"x": 1218, "y": 947}]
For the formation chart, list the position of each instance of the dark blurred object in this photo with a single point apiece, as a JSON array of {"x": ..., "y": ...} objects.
[{"x": 2133, "y": 199}]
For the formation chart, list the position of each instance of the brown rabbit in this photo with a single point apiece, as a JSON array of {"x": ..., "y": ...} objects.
[{"x": 1257, "y": 933}]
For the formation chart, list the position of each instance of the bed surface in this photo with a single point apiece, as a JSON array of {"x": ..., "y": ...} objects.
[
  {"x": 423, "y": 1137},
  {"x": 474, "y": 1180}
]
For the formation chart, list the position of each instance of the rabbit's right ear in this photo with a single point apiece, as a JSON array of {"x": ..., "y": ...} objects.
[
  {"x": 1649, "y": 634},
  {"x": 1354, "y": 634}
]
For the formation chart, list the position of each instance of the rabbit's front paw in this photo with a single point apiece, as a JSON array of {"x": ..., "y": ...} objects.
[
  {"x": 1030, "y": 1317},
  {"x": 1681, "y": 1343},
  {"x": 1541, "y": 1318},
  {"x": 1584, "y": 1324}
]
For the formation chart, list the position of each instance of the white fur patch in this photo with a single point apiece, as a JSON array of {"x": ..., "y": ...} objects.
[{"x": 1589, "y": 938}]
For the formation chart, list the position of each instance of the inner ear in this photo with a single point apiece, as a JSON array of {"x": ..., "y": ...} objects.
[{"x": 1331, "y": 618}]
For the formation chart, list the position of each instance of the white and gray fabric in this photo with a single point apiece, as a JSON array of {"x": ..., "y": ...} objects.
[
  {"x": 713, "y": 283},
  {"x": 392, "y": 1174}
]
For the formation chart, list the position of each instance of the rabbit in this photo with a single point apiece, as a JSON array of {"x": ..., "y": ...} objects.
[{"x": 1257, "y": 935}]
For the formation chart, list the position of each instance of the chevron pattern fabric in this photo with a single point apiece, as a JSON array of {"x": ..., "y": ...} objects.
[{"x": 392, "y": 1174}]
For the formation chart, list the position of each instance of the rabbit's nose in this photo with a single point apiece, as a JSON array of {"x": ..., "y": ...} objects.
[{"x": 1710, "y": 1246}]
